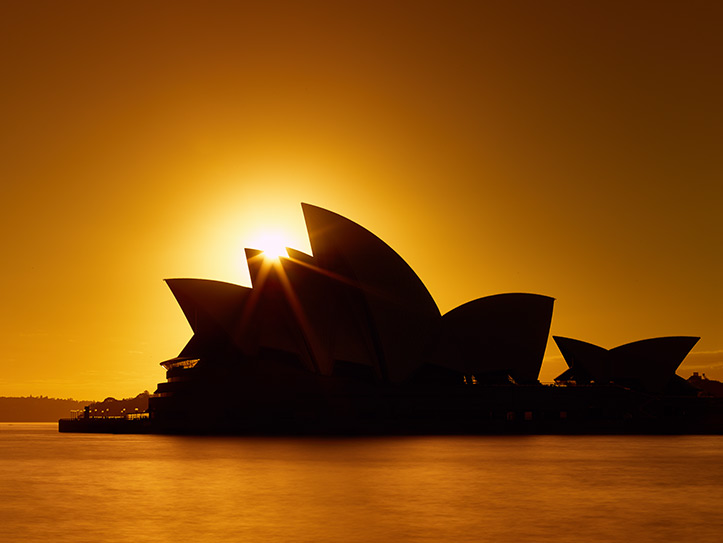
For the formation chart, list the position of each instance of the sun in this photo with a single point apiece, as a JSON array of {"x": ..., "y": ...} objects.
[{"x": 272, "y": 245}]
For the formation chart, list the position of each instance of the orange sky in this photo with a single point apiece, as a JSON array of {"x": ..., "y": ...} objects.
[{"x": 559, "y": 148}]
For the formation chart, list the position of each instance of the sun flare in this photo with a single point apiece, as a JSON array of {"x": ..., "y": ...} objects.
[{"x": 272, "y": 245}]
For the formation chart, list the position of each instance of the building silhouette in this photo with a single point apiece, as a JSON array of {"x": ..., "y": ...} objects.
[
  {"x": 349, "y": 340},
  {"x": 342, "y": 325}
]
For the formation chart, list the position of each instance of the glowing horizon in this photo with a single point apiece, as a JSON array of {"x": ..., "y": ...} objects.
[{"x": 568, "y": 151}]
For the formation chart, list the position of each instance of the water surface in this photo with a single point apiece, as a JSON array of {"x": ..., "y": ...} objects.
[{"x": 103, "y": 488}]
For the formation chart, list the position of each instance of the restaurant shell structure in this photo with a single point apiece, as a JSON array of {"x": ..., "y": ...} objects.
[{"x": 647, "y": 365}]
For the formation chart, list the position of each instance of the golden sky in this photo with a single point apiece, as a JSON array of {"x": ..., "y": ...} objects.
[{"x": 572, "y": 149}]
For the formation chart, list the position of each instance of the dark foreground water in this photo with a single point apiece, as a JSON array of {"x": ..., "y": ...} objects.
[{"x": 107, "y": 488}]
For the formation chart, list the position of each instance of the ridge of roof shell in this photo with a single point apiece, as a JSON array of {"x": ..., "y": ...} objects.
[
  {"x": 652, "y": 342},
  {"x": 206, "y": 298},
  {"x": 295, "y": 254},
  {"x": 577, "y": 344},
  {"x": 656, "y": 342},
  {"x": 189, "y": 280},
  {"x": 520, "y": 296},
  {"x": 364, "y": 255}
]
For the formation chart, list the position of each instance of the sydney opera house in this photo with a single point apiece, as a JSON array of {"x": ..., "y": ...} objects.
[{"x": 349, "y": 340}]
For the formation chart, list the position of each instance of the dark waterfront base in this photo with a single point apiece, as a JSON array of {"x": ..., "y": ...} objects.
[
  {"x": 710, "y": 425},
  {"x": 477, "y": 410},
  {"x": 105, "y": 426},
  {"x": 409, "y": 428}
]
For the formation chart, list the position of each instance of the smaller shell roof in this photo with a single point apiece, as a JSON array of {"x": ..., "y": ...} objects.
[{"x": 651, "y": 363}]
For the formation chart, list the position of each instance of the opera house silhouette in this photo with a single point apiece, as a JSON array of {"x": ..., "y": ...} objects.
[{"x": 348, "y": 340}]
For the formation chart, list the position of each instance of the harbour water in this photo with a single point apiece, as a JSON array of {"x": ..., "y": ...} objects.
[{"x": 123, "y": 488}]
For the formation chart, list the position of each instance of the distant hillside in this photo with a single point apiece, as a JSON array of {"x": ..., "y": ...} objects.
[
  {"x": 110, "y": 407},
  {"x": 44, "y": 409},
  {"x": 37, "y": 408}
]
